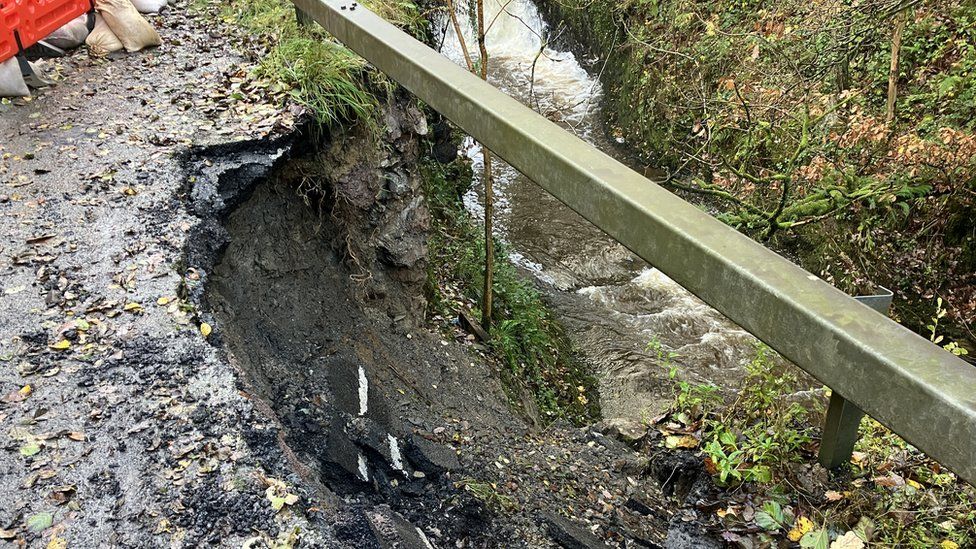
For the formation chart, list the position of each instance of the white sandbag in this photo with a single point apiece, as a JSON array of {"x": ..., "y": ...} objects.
[
  {"x": 71, "y": 35},
  {"x": 102, "y": 41},
  {"x": 11, "y": 80},
  {"x": 133, "y": 30},
  {"x": 149, "y": 6}
]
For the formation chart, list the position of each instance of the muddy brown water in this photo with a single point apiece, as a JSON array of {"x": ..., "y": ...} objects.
[{"x": 613, "y": 303}]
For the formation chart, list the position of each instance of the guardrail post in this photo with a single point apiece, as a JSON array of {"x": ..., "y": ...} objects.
[
  {"x": 304, "y": 19},
  {"x": 843, "y": 416}
]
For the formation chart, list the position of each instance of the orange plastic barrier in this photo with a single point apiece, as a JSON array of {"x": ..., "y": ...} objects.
[
  {"x": 33, "y": 20},
  {"x": 9, "y": 20}
]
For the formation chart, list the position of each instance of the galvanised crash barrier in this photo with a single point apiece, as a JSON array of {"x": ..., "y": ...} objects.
[{"x": 920, "y": 391}]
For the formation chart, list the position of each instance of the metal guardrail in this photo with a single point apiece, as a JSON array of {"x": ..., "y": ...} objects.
[{"x": 921, "y": 392}]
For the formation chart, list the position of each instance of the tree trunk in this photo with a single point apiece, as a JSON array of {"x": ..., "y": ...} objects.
[
  {"x": 486, "y": 306},
  {"x": 900, "y": 20}
]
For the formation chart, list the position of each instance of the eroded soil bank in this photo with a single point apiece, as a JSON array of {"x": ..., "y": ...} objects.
[{"x": 393, "y": 423}]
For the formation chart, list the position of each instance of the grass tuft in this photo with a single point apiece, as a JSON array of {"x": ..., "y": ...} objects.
[{"x": 333, "y": 83}]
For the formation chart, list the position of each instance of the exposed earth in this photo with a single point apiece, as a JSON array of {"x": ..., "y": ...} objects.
[{"x": 198, "y": 350}]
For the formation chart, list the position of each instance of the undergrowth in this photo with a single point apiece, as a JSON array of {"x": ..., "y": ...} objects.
[
  {"x": 536, "y": 354},
  {"x": 762, "y": 449},
  {"x": 773, "y": 115}
]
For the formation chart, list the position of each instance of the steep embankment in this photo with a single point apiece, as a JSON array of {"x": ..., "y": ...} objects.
[{"x": 777, "y": 118}]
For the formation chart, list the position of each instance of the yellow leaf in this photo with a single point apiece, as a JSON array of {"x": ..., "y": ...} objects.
[
  {"x": 133, "y": 307},
  {"x": 62, "y": 345},
  {"x": 913, "y": 484},
  {"x": 949, "y": 544},
  {"x": 683, "y": 441},
  {"x": 26, "y": 390},
  {"x": 206, "y": 329},
  {"x": 802, "y": 526},
  {"x": 57, "y": 543},
  {"x": 163, "y": 301}
]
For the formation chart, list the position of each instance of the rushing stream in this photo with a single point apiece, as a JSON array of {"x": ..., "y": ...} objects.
[{"x": 612, "y": 302}]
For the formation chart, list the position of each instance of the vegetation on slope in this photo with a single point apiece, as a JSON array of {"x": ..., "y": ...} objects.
[
  {"x": 762, "y": 450},
  {"x": 539, "y": 370},
  {"x": 308, "y": 66},
  {"x": 774, "y": 115}
]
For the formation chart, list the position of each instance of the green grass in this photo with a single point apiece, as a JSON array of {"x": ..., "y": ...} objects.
[
  {"x": 333, "y": 83},
  {"x": 536, "y": 354}
]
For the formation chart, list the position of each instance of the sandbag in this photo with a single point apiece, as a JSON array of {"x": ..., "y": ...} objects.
[
  {"x": 149, "y": 6},
  {"x": 102, "y": 41},
  {"x": 11, "y": 80},
  {"x": 71, "y": 35},
  {"x": 133, "y": 30}
]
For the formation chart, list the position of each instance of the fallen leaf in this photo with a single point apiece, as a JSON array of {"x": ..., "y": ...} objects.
[
  {"x": 62, "y": 494},
  {"x": 30, "y": 449},
  {"x": 817, "y": 539},
  {"x": 132, "y": 308},
  {"x": 890, "y": 481},
  {"x": 57, "y": 543},
  {"x": 710, "y": 467},
  {"x": 848, "y": 541},
  {"x": 206, "y": 329},
  {"x": 802, "y": 526},
  {"x": 7, "y": 534},
  {"x": 76, "y": 435},
  {"x": 948, "y": 544},
  {"x": 62, "y": 345},
  {"x": 40, "y": 522},
  {"x": 683, "y": 441},
  {"x": 40, "y": 239},
  {"x": 19, "y": 395},
  {"x": 277, "y": 494},
  {"x": 833, "y": 496}
]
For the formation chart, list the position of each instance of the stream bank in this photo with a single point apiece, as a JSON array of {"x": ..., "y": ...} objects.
[{"x": 690, "y": 86}]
